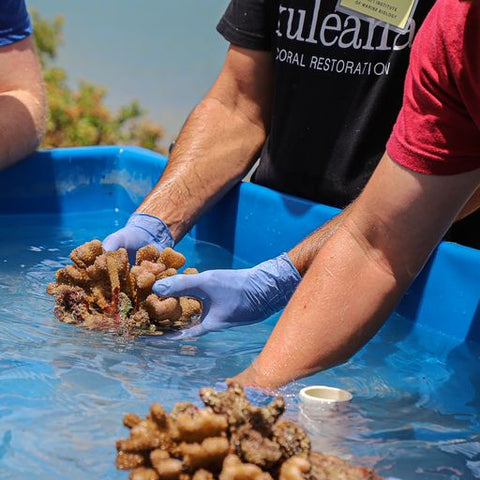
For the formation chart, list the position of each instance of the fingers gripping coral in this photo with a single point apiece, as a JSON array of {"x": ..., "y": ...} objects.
[
  {"x": 221, "y": 442},
  {"x": 100, "y": 291}
]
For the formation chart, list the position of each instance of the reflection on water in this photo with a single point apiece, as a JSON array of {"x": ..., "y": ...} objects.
[{"x": 63, "y": 390}]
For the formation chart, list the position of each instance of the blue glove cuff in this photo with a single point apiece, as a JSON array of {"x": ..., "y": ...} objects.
[
  {"x": 285, "y": 278},
  {"x": 290, "y": 277},
  {"x": 153, "y": 226}
]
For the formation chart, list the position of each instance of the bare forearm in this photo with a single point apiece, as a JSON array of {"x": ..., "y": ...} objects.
[
  {"x": 214, "y": 150},
  {"x": 219, "y": 142},
  {"x": 333, "y": 313},
  {"x": 360, "y": 273},
  {"x": 303, "y": 254}
]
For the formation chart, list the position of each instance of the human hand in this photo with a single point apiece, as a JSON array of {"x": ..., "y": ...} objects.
[
  {"x": 234, "y": 297},
  {"x": 141, "y": 229}
]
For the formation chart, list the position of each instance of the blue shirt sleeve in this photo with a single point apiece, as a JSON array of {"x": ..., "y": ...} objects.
[{"x": 15, "y": 23}]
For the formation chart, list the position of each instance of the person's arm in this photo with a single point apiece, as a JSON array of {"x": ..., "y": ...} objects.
[
  {"x": 359, "y": 275},
  {"x": 303, "y": 254},
  {"x": 22, "y": 102},
  {"x": 219, "y": 142},
  {"x": 471, "y": 206}
]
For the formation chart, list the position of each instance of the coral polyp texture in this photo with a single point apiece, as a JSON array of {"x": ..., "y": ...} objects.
[
  {"x": 229, "y": 439},
  {"x": 100, "y": 291}
]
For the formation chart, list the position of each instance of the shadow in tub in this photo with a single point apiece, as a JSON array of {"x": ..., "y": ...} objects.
[
  {"x": 218, "y": 225},
  {"x": 28, "y": 201},
  {"x": 30, "y": 186},
  {"x": 420, "y": 400},
  {"x": 255, "y": 223},
  {"x": 411, "y": 302},
  {"x": 52, "y": 202},
  {"x": 474, "y": 331},
  {"x": 61, "y": 180}
]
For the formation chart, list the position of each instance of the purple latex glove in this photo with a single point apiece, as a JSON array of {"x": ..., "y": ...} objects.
[
  {"x": 141, "y": 229},
  {"x": 234, "y": 297}
]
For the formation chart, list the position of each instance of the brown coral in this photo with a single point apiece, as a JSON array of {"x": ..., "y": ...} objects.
[
  {"x": 234, "y": 404},
  {"x": 292, "y": 439},
  {"x": 327, "y": 467},
  {"x": 234, "y": 469},
  {"x": 295, "y": 468},
  {"x": 198, "y": 425},
  {"x": 230, "y": 439},
  {"x": 100, "y": 291},
  {"x": 253, "y": 447}
]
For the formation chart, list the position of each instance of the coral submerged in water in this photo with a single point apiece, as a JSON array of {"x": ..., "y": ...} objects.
[
  {"x": 100, "y": 291},
  {"x": 230, "y": 439}
]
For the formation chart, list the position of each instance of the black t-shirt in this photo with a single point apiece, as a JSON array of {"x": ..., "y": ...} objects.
[{"x": 338, "y": 89}]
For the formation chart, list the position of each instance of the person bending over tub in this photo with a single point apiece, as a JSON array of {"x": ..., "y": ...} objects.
[
  {"x": 22, "y": 97},
  {"x": 319, "y": 132},
  {"x": 209, "y": 158},
  {"x": 429, "y": 175}
]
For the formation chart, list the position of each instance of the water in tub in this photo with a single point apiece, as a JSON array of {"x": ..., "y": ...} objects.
[{"x": 63, "y": 390}]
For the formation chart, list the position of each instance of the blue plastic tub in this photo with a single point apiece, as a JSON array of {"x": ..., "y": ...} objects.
[
  {"x": 252, "y": 222},
  {"x": 105, "y": 377}
]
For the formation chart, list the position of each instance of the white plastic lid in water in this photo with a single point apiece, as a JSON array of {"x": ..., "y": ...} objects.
[{"x": 321, "y": 394}]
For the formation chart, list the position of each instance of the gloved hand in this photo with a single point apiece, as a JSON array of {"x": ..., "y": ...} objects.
[
  {"x": 141, "y": 229},
  {"x": 234, "y": 297}
]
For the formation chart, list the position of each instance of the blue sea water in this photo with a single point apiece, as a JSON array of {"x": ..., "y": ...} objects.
[
  {"x": 415, "y": 412},
  {"x": 164, "y": 53}
]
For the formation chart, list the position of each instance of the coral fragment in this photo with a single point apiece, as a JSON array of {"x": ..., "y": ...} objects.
[
  {"x": 230, "y": 439},
  {"x": 101, "y": 292}
]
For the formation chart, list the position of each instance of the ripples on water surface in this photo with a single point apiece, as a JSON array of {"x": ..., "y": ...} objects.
[{"x": 64, "y": 391}]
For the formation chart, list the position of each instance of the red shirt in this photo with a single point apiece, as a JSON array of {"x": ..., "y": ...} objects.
[{"x": 438, "y": 129}]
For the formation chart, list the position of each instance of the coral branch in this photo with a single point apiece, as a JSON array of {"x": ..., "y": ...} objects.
[{"x": 100, "y": 291}]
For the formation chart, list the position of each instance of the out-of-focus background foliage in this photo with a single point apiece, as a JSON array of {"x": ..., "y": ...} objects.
[
  {"x": 164, "y": 55},
  {"x": 79, "y": 116}
]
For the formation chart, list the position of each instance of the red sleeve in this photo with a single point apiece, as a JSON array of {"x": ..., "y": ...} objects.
[{"x": 438, "y": 129}]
